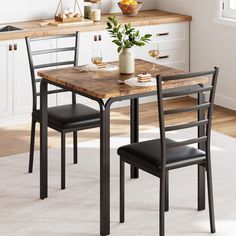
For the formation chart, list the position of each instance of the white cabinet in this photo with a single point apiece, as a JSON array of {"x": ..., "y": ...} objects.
[
  {"x": 173, "y": 43},
  {"x": 15, "y": 89},
  {"x": 85, "y": 47},
  {"x": 15, "y": 79},
  {"x": 6, "y": 77},
  {"x": 109, "y": 52},
  {"x": 109, "y": 49},
  {"x": 84, "y": 57},
  {"x": 44, "y": 59},
  {"x": 22, "y": 90}
]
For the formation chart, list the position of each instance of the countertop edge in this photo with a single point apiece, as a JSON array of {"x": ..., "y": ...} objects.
[{"x": 33, "y": 29}]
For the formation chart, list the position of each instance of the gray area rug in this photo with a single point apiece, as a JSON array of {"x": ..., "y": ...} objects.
[{"x": 75, "y": 211}]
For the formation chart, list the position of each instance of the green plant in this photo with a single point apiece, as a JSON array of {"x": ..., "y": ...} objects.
[{"x": 127, "y": 36}]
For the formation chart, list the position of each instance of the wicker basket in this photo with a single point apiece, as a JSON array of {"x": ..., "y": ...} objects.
[{"x": 60, "y": 11}]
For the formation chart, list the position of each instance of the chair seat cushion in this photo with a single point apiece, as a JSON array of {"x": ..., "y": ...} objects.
[
  {"x": 71, "y": 116},
  {"x": 148, "y": 154}
]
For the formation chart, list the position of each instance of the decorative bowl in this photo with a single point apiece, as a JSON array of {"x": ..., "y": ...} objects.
[{"x": 130, "y": 10}]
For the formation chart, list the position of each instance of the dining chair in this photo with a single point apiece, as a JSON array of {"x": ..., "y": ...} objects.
[
  {"x": 159, "y": 156},
  {"x": 62, "y": 118}
]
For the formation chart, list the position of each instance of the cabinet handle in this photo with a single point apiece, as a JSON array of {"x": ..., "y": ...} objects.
[
  {"x": 162, "y": 34},
  {"x": 163, "y": 57},
  {"x": 95, "y": 38},
  {"x": 10, "y": 47},
  {"x": 15, "y": 47},
  {"x": 99, "y": 37}
]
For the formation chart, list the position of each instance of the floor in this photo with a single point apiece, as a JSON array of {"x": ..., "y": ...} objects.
[
  {"x": 15, "y": 139},
  {"x": 75, "y": 210}
]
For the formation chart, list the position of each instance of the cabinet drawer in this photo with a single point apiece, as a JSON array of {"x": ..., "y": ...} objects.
[
  {"x": 167, "y": 32},
  {"x": 174, "y": 55},
  {"x": 169, "y": 53}
]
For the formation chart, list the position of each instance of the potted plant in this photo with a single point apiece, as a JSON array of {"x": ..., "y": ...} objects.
[{"x": 125, "y": 38}]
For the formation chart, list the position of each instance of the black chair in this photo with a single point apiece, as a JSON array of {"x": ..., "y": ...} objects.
[
  {"x": 62, "y": 118},
  {"x": 159, "y": 156}
]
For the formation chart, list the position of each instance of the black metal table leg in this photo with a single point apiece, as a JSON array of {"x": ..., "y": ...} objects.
[
  {"x": 105, "y": 169},
  {"x": 43, "y": 140},
  {"x": 201, "y": 169},
  {"x": 134, "y": 130}
]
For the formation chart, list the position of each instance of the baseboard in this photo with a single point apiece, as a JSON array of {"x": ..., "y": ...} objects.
[
  {"x": 223, "y": 101},
  {"x": 226, "y": 102}
]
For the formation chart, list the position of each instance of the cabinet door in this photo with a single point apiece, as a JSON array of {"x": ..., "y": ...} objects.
[
  {"x": 170, "y": 54},
  {"x": 44, "y": 59},
  {"x": 22, "y": 80},
  {"x": 173, "y": 43},
  {"x": 6, "y": 75},
  {"x": 85, "y": 47},
  {"x": 84, "y": 57},
  {"x": 65, "y": 98},
  {"x": 109, "y": 49}
]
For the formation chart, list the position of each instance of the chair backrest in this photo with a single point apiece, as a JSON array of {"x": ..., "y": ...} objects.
[
  {"x": 50, "y": 52},
  {"x": 206, "y": 107}
]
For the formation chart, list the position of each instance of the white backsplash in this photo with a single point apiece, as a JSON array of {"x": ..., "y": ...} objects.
[{"x": 23, "y": 10}]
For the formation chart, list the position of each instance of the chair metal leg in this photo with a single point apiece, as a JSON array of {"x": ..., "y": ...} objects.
[
  {"x": 32, "y": 141},
  {"x": 122, "y": 191},
  {"x": 134, "y": 131},
  {"x": 201, "y": 188},
  {"x": 210, "y": 198},
  {"x": 63, "y": 162},
  {"x": 201, "y": 169},
  {"x": 162, "y": 205},
  {"x": 75, "y": 139},
  {"x": 167, "y": 192}
]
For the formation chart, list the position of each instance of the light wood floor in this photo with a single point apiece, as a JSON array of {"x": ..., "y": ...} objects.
[{"x": 15, "y": 139}]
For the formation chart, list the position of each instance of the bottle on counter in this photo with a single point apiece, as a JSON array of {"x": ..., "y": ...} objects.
[
  {"x": 96, "y": 11},
  {"x": 88, "y": 10}
]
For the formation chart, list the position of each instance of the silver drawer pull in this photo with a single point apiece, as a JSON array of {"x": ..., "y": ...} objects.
[
  {"x": 163, "y": 57},
  {"x": 163, "y": 34}
]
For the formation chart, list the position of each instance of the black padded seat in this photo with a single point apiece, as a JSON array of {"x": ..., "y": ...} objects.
[
  {"x": 148, "y": 154},
  {"x": 71, "y": 116}
]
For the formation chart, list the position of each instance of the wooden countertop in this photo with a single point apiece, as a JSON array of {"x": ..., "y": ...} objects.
[
  {"x": 107, "y": 86},
  {"x": 144, "y": 18}
]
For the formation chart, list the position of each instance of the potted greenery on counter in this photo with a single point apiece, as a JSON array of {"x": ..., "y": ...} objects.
[{"x": 125, "y": 38}]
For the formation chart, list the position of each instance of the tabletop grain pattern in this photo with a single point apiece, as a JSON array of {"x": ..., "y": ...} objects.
[{"x": 107, "y": 86}]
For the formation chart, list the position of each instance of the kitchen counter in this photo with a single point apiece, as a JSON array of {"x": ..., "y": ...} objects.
[{"x": 144, "y": 18}]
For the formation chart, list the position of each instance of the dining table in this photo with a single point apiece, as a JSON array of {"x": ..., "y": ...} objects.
[{"x": 105, "y": 89}]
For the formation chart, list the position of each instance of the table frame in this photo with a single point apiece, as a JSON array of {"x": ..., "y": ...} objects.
[{"x": 105, "y": 147}]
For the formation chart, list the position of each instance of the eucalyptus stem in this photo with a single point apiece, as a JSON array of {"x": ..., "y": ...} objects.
[{"x": 126, "y": 36}]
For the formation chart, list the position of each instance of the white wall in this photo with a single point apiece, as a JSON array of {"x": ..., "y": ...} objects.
[
  {"x": 211, "y": 45},
  {"x": 21, "y": 10}
]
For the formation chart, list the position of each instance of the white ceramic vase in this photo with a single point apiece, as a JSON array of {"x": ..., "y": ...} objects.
[{"x": 126, "y": 61}]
